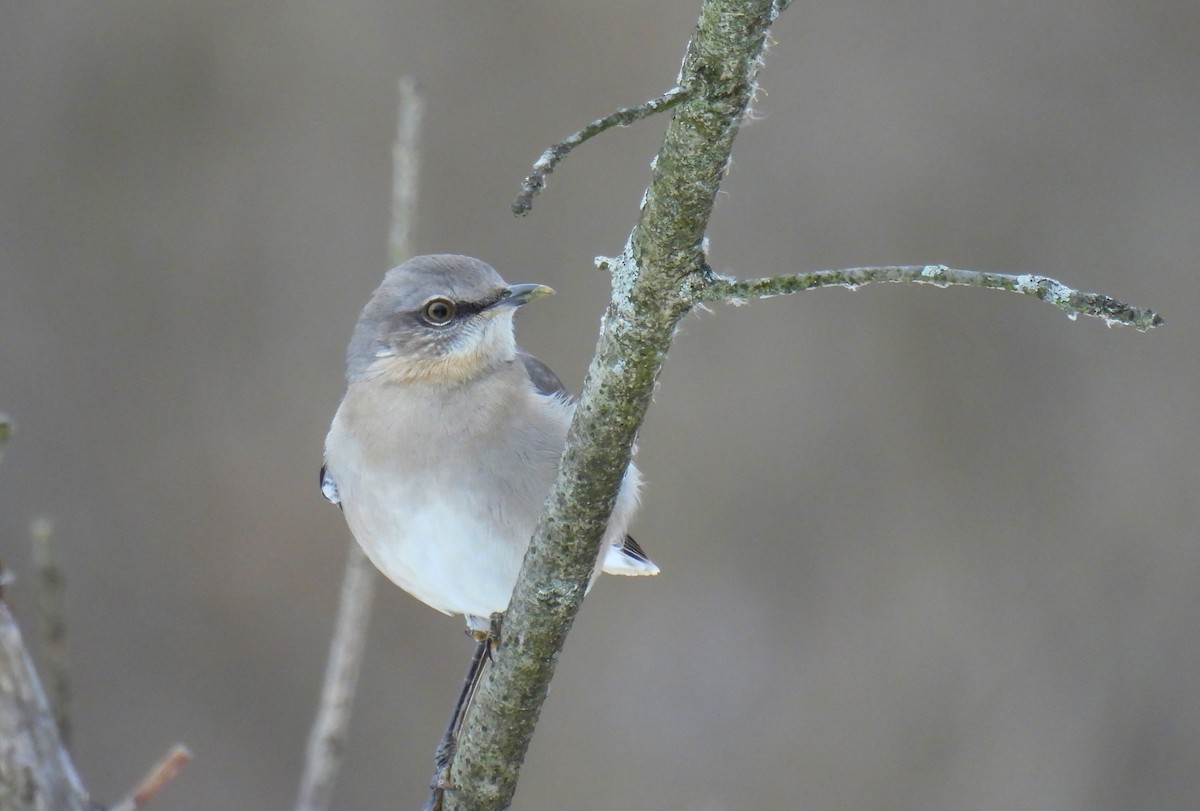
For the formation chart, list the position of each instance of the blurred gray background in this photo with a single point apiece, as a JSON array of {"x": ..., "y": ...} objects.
[{"x": 921, "y": 549}]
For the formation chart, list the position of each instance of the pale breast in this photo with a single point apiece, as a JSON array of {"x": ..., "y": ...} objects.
[{"x": 443, "y": 489}]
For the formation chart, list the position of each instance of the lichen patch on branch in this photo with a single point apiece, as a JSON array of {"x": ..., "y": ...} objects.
[{"x": 1071, "y": 301}]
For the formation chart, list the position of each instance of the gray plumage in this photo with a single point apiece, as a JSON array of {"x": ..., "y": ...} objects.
[{"x": 444, "y": 447}]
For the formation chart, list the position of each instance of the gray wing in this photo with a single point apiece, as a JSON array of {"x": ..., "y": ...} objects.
[
  {"x": 629, "y": 558},
  {"x": 542, "y": 376}
]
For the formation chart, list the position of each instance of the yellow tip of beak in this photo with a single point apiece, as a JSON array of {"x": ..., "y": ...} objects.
[{"x": 519, "y": 294}]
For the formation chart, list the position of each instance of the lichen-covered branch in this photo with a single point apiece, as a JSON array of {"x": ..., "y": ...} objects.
[
  {"x": 712, "y": 287},
  {"x": 719, "y": 69},
  {"x": 554, "y": 154},
  {"x": 36, "y": 773},
  {"x": 660, "y": 275}
]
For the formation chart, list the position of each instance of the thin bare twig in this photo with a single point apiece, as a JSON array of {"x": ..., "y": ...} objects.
[
  {"x": 327, "y": 738},
  {"x": 623, "y": 117},
  {"x": 405, "y": 170},
  {"x": 6, "y": 431},
  {"x": 51, "y": 590},
  {"x": 156, "y": 779},
  {"x": 1073, "y": 302}
]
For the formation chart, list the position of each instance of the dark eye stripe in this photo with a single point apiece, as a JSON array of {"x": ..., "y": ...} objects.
[
  {"x": 460, "y": 308},
  {"x": 473, "y": 307}
]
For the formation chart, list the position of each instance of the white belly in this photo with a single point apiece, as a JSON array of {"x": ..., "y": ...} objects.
[
  {"x": 447, "y": 515},
  {"x": 438, "y": 544}
]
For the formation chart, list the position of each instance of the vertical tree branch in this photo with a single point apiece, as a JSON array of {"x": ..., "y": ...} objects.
[
  {"x": 665, "y": 246},
  {"x": 51, "y": 586},
  {"x": 327, "y": 738},
  {"x": 36, "y": 773}
]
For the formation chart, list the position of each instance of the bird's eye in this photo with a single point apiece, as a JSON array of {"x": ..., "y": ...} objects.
[{"x": 439, "y": 311}]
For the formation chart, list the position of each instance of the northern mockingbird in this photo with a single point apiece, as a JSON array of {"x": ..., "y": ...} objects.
[{"x": 445, "y": 445}]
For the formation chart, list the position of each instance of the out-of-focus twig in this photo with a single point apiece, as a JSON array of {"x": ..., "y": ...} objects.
[
  {"x": 406, "y": 172},
  {"x": 51, "y": 590},
  {"x": 6, "y": 431},
  {"x": 327, "y": 738},
  {"x": 6, "y": 428},
  {"x": 163, "y": 772}
]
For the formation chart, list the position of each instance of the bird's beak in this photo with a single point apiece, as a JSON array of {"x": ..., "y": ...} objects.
[{"x": 519, "y": 294}]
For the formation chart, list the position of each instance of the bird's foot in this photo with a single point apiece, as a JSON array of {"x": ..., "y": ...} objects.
[{"x": 441, "y": 780}]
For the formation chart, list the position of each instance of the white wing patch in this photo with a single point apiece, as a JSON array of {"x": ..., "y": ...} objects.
[{"x": 329, "y": 487}]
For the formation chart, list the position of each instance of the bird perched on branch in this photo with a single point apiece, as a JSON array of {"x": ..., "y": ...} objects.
[
  {"x": 446, "y": 443},
  {"x": 445, "y": 446}
]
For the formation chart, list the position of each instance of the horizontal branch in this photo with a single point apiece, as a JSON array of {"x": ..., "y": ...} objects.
[
  {"x": 623, "y": 117},
  {"x": 1073, "y": 302}
]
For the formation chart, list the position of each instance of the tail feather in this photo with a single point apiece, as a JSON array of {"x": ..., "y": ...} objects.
[{"x": 628, "y": 559}]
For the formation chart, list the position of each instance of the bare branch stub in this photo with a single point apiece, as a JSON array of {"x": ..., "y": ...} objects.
[
  {"x": 536, "y": 181},
  {"x": 156, "y": 779}
]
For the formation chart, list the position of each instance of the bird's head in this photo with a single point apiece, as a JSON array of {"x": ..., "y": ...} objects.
[{"x": 438, "y": 319}]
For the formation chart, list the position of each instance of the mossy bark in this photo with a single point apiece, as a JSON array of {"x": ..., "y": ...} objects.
[{"x": 648, "y": 299}]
